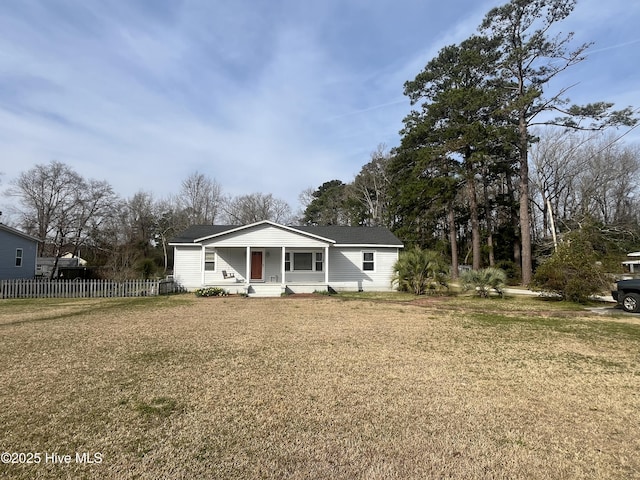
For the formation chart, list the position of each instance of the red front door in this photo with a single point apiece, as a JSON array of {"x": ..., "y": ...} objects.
[{"x": 256, "y": 265}]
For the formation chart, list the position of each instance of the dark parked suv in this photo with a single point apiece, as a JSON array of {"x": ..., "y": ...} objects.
[{"x": 628, "y": 295}]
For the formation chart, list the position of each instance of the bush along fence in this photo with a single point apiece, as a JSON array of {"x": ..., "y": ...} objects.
[{"x": 85, "y": 288}]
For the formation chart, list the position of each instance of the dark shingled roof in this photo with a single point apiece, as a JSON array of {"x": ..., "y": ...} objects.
[
  {"x": 340, "y": 234},
  {"x": 200, "y": 231},
  {"x": 353, "y": 235}
]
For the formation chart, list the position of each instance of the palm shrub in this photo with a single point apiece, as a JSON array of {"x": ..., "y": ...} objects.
[
  {"x": 572, "y": 272},
  {"x": 484, "y": 281},
  {"x": 420, "y": 271}
]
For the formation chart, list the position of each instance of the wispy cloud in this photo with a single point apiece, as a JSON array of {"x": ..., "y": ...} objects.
[
  {"x": 264, "y": 96},
  {"x": 614, "y": 47}
]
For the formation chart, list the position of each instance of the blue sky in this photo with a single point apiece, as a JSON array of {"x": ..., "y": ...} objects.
[{"x": 270, "y": 96}]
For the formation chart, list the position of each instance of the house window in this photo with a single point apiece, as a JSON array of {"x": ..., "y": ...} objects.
[
  {"x": 368, "y": 261},
  {"x": 209, "y": 260},
  {"x": 303, "y": 261},
  {"x": 18, "y": 257}
]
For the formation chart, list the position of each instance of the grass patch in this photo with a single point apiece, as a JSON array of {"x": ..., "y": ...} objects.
[
  {"x": 603, "y": 329},
  {"x": 502, "y": 319},
  {"x": 159, "y": 406},
  {"x": 381, "y": 386},
  {"x": 379, "y": 296},
  {"x": 43, "y": 309}
]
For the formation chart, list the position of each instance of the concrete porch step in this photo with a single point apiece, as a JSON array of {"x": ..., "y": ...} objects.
[{"x": 265, "y": 290}]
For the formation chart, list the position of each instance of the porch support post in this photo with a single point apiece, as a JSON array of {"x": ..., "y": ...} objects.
[
  {"x": 202, "y": 259},
  {"x": 326, "y": 265},
  {"x": 282, "y": 266},
  {"x": 248, "y": 272}
]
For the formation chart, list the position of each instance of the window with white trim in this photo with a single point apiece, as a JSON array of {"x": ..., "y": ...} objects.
[
  {"x": 368, "y": 261},
  {"x": 209, "y": 260},
  {"x": 18, "y": 257},
  {"x": 303, "y": 261}
]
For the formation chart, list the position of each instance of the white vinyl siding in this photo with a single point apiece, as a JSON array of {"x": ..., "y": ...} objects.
[
  {"x": 345, "y": 269},
  {"x": 231, "y": 260},
  {"x": 265, "y": 236},
  {"x": 187, "y": 270}
]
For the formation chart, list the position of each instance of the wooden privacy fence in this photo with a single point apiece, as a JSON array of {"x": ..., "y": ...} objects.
[{"x": 85, "y": 288}]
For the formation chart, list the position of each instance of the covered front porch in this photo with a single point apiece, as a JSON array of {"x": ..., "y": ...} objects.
[{"x": 265, "y": 270}]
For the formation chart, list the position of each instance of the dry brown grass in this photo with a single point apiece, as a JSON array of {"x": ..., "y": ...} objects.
[{"x": 319, "y": 387}]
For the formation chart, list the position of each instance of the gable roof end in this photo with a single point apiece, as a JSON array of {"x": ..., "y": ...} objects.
[
  {"x": 263, "y": 222},
  {"x": 337, "y": 235},
  {"x": 8, "y": 229}
]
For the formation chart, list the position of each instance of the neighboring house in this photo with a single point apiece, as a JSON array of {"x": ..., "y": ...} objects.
[
  {"x": 66, "y": 263},
  {"x": 79, "y": 262},
  {"x": 267, "y": 259},
  {"x": 18, "y": 253},
  {"x": 633, "y": 262}
]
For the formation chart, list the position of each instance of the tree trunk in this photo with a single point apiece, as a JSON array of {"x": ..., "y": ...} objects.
[
  {"x": 475, "y": 224},
  {"x": 525, "y": 218},
  {"x": 57, "y": 253},
  {"x": 513, "y": 214},
  {"x": 487, "y": 214},
  {"x": 453, "y": 240}
]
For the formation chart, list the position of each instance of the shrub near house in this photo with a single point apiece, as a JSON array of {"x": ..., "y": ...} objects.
[
  {"x": 211, "y": 292},
  {"x": 420, "y": 271},
  {"x": 572, "y": 272},
  {"x": 485, "y": 281}
]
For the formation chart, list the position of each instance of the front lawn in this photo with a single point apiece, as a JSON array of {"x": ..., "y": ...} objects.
[{"x": 338, "y": 387}]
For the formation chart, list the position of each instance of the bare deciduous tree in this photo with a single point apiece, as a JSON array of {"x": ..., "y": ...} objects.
[
  {"x": 200, "y": 197},
  {"x": 255, "y": 207},
  {"x": 47, "y": 195},
  {"x": 61, "y": 208},
  {"x": 129, "y": 235},
  {"x": 371, "y": 186},
  {"x": 578, "y": 176}
]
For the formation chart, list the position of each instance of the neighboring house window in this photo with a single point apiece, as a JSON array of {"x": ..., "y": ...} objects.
[
  {"x": 209, "y": 260},
  {"x": 368, "y": 261},
  {"x": 18, "y": 257},
  {"x": 303, "y": 262}
]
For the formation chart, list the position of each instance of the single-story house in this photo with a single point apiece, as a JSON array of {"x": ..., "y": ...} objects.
[
  {"x": 18, "y": 252},
  {"x": 268, "y": 259}
]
